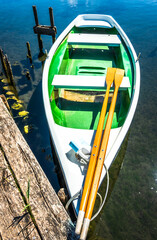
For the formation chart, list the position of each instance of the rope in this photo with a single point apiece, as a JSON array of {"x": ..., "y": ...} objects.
[
  {"x": 101, "y": 202},
  {"x": 106, "y": 193},
  {"x": 72, "y": 199}
]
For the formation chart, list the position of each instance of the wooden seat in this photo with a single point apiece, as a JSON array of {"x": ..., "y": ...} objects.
[
  {"x": 96, "y": 39},
  {"x": 85, "y": 82}
]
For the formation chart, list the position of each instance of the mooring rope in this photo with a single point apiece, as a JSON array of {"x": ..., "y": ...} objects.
[{"x": 101, "y": 202}]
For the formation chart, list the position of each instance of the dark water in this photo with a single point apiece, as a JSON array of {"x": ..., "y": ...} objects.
[{"x": 131, "y": 210}]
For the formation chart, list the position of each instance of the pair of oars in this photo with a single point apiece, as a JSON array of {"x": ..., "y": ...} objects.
[{"x": 98, "y": 155}]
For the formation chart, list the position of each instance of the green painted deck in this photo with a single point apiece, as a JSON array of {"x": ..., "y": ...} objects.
[{"x": 87, "y": 61}]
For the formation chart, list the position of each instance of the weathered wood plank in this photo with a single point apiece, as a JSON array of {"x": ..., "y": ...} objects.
[
  {"x": 13, "y": 223},
  {"x": 46, "y": 211}
]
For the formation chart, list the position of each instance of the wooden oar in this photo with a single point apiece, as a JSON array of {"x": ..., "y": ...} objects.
[
  {"x": 95, "y": 149},
  {"x": 94, "y": 187}
]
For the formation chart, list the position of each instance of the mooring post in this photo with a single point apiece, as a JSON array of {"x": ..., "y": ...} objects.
[
  {"x": 3, "y": 62},
  {"x": 52, "y": 23},
  {"x": 40, "y": 42},
  {"x": 37, "y": 24},
  {"x": 43, "y": 29},
  {"x": 9, "y": 71},
  {"x": 7, "y": 68},
  {"x": 35, "y": 15},
  {"x": 29, "y": 55}
]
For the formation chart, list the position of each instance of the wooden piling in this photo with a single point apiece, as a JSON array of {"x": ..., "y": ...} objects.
[
  {"x": 52, "y": 24},
  {"x": 39, "y": 216},
  {"x": 43, "y": 29},
  {"x": 40, "y": 43},
  {"x": 8, "y": 70},
  {"x": 29, "y": 55},
  {"x": 51, "y": 16},
  {"x": 35, "y": 15},
  {"x": 3, "y": 62},
  {"x": 7, "y": 67}
]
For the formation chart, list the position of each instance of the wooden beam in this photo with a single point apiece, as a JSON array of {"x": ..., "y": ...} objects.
[
  {"x": 45, "y": 30},
  {"x": 45, "y": 216}
]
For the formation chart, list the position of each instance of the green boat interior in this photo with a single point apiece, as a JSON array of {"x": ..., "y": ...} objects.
[{"x": 77, "y": 106}]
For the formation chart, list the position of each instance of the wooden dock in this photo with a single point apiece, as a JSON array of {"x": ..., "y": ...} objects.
[{"x": 29, "y": 207}]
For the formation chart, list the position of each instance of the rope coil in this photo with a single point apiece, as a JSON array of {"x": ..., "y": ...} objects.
[{"x": 101, "y": 202}]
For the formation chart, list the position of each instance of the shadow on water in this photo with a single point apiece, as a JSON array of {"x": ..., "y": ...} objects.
[
  {"x": 39, "y": 138},
  {"x": 113, "y": 176},
  {"x": 24, "y": 76}
]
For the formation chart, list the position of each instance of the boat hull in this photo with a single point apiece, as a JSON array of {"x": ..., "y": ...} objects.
[{"x": 73, "y": 171}]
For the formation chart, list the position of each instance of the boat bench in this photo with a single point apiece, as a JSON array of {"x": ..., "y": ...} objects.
[
  {"x": 85, "y": 82},
  {"x": 96, "y": 39},
  {"x": 93, "y": 23}
]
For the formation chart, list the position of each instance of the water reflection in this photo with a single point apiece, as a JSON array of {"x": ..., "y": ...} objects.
[{"x": 73, "y": 3}]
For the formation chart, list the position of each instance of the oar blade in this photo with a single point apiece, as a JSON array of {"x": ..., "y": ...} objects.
[
  {"x": 119, "y": 74},
  {"x": 110, "y": 75}
]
